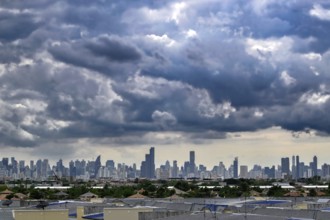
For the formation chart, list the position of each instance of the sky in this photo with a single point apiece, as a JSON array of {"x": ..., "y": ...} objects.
[{"x": 225, "y": 78}]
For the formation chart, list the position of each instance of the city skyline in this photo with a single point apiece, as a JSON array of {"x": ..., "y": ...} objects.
[
  {"x": 83, "y": 78},
  {"x": 289, "y": 161},
  {"x": 43, "y": 170}
]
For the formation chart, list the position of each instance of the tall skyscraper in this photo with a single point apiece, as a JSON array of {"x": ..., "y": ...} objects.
[
  {"x": 175, "y": 169},
  {"x": 297, "y": 167},
  {"x": 97, "y": 166},
  {"x": 293, "y": 167},
  {"x": 243, "y": 171},
  {"x": 148, "y": 166},
  {"x": 5, "y": 162},
  {"x": 192, "y": 164},
  {"x": 285, "y": 164},
  {"x": 235, "y": 167},
  {"x": 314, "y": 168},
  {"x": 151, "y": 163}
]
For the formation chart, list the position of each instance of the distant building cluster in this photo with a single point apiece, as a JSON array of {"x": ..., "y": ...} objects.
[{"x": 41, "y": 170}]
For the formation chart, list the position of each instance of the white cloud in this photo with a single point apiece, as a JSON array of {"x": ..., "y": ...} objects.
[
  {"x": 206, "y": 108},
  {"x": 287, "y": 80},
  {"x": 164, "y": 39},
  {"x": 320, "y": 12},
  {"x": 177, "y": 11},
  {"x": 163, "y": 118},
  {"x": 313, "y": 56},
  {"x": 258, "y": 114},
  {"x": 314, "y": 98},
  {"x": 191, "y": 33},
  {"x": 274, "y": 49}
]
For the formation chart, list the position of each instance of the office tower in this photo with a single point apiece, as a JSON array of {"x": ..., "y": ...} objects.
[
  {"x": 14, "y": 165},
  {"x": 21, "y": 165},
  {"x": 79, "y": 170},
  {"x": 325, "y": 170},
  {"x": 148, "y": 166},
  {"x": 5, "y": 162},
  {"x": 314, "y": 168},
  {"x": 143, "y": 169},
  {"x": 235, "y": 168},
  {"x": 285, "y": 165},
  {"x": 243, "y": 171},
  {"x": 293, "y": 167},
  {"x": 151, "y": 168},
  {"x": 175, "y": 169},
  {"x": 168, "y": 167},
  {"x": 270, "y": 172},
  {"x": 192, "y": 164},
  {"x": 60, "y": 168},
  {"x": 32, "y": 168},
  {"x": 44, "y": 168},
  {"x": 3, "y": 171},
  {"x": 39, "y": 168},
  {"x": 297, "y": 167},
  {"x": 72, "y": 169},
  {"x": 222, "y": 170},
  {"x": 97, "y": 166},
  {"x": 110, "y": 164},
  {"x": 186, "y": 167}
]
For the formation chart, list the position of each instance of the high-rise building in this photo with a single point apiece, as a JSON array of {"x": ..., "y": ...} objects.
[
  {"x": 192, "y": 164},
  {"x": 314, "y": 168},
  {"x": 97, "y": 166},
  {"x": 110, "y": 164},
  {"x": 21, "y": 165},
  {"x": 14, "y": 165},
  {"x": 285, "y": 166},
  {"x": 243, "y": 171},
  {"x": 175, "y": 169},
  {"x": 148, "y": 166},
  {"x": 235, "y": 168},
  {"x": 44, "y": 168},
  {"x": 297, "y": 167},
  {"x": 293, "y": 167},
  {"x": 5, "y": 162},
  {"x": 72, "y": 169},
  {"x": 270, "y": 172},
  {"x": 38, "y": 168}
]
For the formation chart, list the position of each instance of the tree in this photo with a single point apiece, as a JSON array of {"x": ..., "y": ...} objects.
[
  {"x": 10, "y": 196},
  {"x": 182, "y": 185},
  {"x": 244, "y": 187},
  {"x": 312, "y": 192},
  {"x": 36, "y": 194},
  {"x": 275, "y": 191}
]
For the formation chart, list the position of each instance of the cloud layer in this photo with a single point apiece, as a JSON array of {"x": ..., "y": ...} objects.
[{"x": 122, "y": 71}]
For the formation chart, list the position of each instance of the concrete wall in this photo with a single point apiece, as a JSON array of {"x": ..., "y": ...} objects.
[
  {"x": 60, "y": 214},
  {"x": 124, "y": 213},
  {"x": 159, "y": 215}
]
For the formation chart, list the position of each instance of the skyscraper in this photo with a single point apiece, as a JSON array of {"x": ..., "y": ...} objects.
[
  {"x": 148, "y": 166},
  {"x": 293, "y": 168},
  {"x": 235, "y": 167},
  {"x": 243, "y": 171},
  {"x": 152, "y": 167},
  {"x": 314, "y": 168},
  {"x": 97, "y": 165},
  {"x": 192, "y": 164},
  {"x": 175, "y": 169},
  {"x": 285, "y": 164},
  {"x": 297, "y": 167}
]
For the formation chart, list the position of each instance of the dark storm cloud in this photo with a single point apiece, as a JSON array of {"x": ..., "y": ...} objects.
[
  {"x": 15, "y": 26},
  {"x": 113, "y": 71},
  {"x": 113, "y": 49},
  {"x": 108, "y": 55}
]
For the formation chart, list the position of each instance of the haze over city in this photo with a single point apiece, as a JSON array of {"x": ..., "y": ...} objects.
[{"x": 226, "y": 78}]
